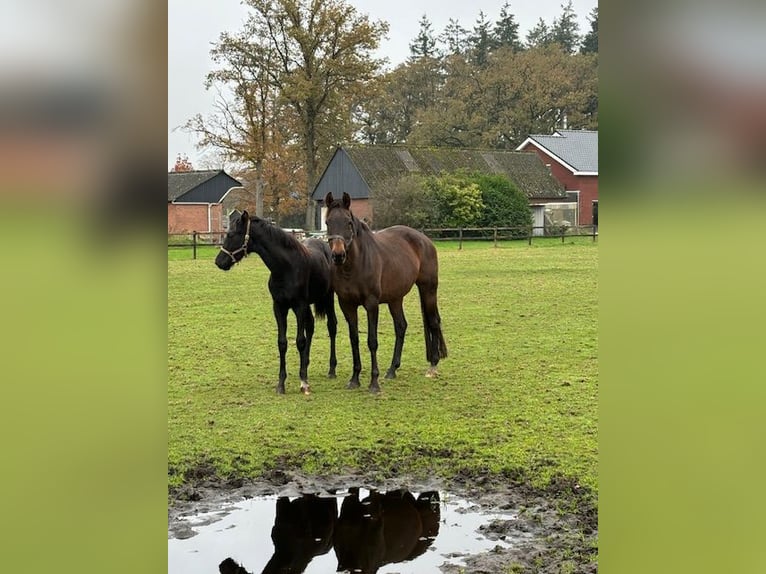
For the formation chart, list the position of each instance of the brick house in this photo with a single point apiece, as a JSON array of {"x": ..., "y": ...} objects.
[
  {"x": 572, "y": 156},
  {"x": 195, "y": 200},
  {"x": 360, "y": 170}
]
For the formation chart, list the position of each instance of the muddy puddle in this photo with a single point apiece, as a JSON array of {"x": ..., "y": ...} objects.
[{"x": 357, "y": 530}]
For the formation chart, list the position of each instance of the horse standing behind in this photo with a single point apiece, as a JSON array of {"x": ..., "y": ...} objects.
[
  {"x": 374, "y": 268},
  {"x": 301, "y": 274}
]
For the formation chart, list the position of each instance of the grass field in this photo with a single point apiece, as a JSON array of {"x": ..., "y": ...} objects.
[{"x": 517, "y": 394}]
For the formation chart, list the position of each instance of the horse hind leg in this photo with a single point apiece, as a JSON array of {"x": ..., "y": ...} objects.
[
  {"x": 400, "y": 328},
  {"x": 303, "y": 340},
  {"x": 436, "y": 347},
  {"x": 280, "y": 314}
]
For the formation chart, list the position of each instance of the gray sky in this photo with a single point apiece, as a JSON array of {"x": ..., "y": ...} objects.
[{"x": 193, "y": 26}]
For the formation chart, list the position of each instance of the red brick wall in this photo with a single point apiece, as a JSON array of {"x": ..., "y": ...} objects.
[
  {"x": 587, "y": 185},
  {"x": 362, "y": 208},
  {"x": 185, "y": 218}
]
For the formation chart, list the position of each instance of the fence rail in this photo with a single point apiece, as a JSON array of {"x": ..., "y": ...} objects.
[{"x": 527, "y": 233}]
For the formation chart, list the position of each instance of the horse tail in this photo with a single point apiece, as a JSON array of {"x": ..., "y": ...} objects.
[
  {"x": 325, "y": 306},
  {"x": 436, "y": 347},
  {"x": 320, "y": 309}
]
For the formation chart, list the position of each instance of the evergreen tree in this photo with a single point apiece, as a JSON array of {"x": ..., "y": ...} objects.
[
  {"x": 424, "y": 44},
  {"x": 480, "y": 41},
  {"x": 565, "y": 29},
  {"x": 539, "y": 36},
  {"x": 454, "y": 37},
  {"x": 590, "y": 40},
  {"x": 506, "y": 32}
]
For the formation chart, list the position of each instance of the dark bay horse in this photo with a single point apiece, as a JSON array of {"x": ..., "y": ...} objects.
[
  {"x": 374, "y": 268},
  {"x": 301, "y": 275},
  {"x": 384, "y": 529}
]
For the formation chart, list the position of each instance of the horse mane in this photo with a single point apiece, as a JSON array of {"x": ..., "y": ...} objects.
[
  {"x": 360, "y": 225},
  {"x": 281, "y": 237}
]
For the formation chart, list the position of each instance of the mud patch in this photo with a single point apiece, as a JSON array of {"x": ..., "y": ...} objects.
[{"x": 522, "y": 529}]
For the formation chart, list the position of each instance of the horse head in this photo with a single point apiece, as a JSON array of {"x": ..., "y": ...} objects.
[
  {"x": 236, "y": 243},
  {"x": 340, "y": 226}
]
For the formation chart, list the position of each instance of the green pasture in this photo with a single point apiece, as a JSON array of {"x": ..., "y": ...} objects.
[{"x": 516, "y": 396}]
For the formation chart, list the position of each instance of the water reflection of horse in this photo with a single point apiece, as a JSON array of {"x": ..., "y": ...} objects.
[
  {"x": 378, "y": 530},
  {"x": 384, "y": 528},
  {"x": 303, "y": 528}
]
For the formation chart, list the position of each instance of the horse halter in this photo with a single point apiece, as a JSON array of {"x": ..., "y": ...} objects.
[
  {"x": 346, "y": 242},
  {"x": 243, "y": 248}
]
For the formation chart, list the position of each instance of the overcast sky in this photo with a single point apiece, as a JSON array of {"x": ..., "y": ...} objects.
[{"x": 193, "y": 26}]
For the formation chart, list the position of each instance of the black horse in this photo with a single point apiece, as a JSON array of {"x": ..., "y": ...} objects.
[
  {"x": 384, "y": 529},
  {"x": 374, "y": 268},
  {"x": 303, "y": 528},
  {"x": 301, "y": 275}
]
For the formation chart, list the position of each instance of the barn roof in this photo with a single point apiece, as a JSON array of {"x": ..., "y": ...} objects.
[
  {"x": 380, "y": 165},
  {"x": 576, "y": 149},
  {"x": 182, "y": 182}
]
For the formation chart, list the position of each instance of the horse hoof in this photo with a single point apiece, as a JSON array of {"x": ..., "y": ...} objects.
[
  {"x": 374, "y": 390},
  {"x": 390, "y": 374},
  {"x": 352, "y": 385},
  {"x": 432, "y": 373},
  {"x": 331, "y": 375},
  {"x": 280, "y": 390},
  {"x": 305, "y": 388}
]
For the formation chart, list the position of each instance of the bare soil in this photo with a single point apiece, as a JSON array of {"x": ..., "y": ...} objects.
[{"x": 559, "y": 523}]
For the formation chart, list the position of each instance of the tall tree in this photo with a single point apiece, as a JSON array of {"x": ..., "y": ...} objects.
[
  {"x": 516, "y": 94},
  {"x": 244, "y": 127},
  {"x": 296, "y": 72},
  {"x": 454, "y": 120},
  {"x": 590, "y": 40},
  {"x": 506, "y": 31},
  {"x": 424, "y": 44},
  {"x": 398, "y": 97},
  {"x": 533, "y": 92},
  {"x": 454, "y": 37},
  {"x": 539, "y": 35},
  {"x": 565, "y": 29},
  {"x": 480, "y": 41},
  {"x": 323, "y": 51}
]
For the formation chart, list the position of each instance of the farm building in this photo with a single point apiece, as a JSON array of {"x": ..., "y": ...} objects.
[
  {"x": 572, "y": 156},
  {"x": 360, "y": 170},
  {"x": 195, "y": 200}
]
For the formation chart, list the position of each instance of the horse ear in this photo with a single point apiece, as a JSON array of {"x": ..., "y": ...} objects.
[
  {"x": 245, "y": 216},
  {"x": 346, "y": 200},
  {"x": 328, "y": 199}
]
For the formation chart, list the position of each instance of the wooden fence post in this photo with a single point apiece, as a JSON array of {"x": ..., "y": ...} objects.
[
  {"x": 495, "y": 235},
  {"x": 529, "y": 234},
  {"x": 460, "y": 233},
  {"x": 194, "y": 245}
]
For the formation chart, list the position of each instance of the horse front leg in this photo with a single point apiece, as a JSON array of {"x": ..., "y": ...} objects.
[
  {"x": 303, "y": 341},
  {"x": 350, "y": 313},
  {"x": 280, "y": 314},
  {"x": 332, "y": 330},
  {"x": 400, "y": 328},
  {"x": 372, "y": 344}
]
